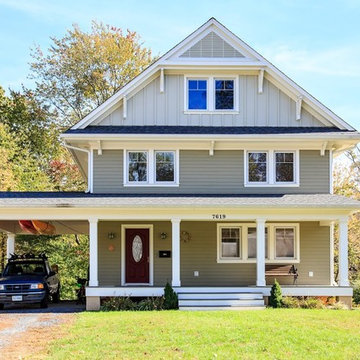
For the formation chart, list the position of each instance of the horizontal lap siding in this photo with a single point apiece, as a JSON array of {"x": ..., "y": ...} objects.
[
  {"x": 110, "y": 261},
  {"x": 150, "y": 107},
  {"x": 199, "y": 253},
  {"x": 218, "y": 174}
]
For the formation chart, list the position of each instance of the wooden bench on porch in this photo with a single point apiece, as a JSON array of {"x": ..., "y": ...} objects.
[{"x": 282, "y": 270}]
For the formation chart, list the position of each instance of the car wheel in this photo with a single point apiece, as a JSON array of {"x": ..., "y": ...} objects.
[
  {"x": 56, "y": 296},
  {"x": 44, "y": 303}
]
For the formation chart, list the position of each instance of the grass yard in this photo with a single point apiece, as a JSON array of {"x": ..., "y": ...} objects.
[{"x": 268, "y": 334}]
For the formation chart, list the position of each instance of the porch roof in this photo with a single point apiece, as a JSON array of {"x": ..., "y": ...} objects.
[{"x": 86, "y": 200}]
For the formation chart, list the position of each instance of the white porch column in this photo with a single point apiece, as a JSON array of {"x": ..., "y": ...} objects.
[
  {"x": 260, "y": 252},
  {"x": 343, "y": 252},
  {"x": 10, "y": 245},
  {"x": 175, "y": 235},
  {"x": 93, "y": 237}
]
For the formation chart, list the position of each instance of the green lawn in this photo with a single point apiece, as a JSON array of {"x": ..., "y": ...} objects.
[{"x": 268, "y": 334}]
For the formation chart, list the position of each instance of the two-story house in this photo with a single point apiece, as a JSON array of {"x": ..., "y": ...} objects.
[{"x": 211, "y": 170}]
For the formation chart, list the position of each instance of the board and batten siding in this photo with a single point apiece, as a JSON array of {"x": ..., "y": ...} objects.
[
  {"x": 200, "y": 253},
  {"x": 150, "y": 107},
  {"x": 222, "y": 173}
]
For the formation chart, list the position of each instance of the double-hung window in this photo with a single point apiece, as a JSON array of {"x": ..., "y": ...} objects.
[
  {"x": 272, "y": 168},
  {"x": 211, "y": 94},
  {"x": 138, "y": 166},
  {"x": 151, "y": 167},
  {"x": 230, "y": 248},
  {"x": 237, "y": 243}
]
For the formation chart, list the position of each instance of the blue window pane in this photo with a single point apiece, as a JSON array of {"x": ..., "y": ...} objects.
[
  {"x": 219, "y": 84},
  {"x": 192, "y": 84},
  {"x": 224, "y": 94},
  {"x": 202, "y": 84},
  {"x": 197, "y": 99},
  {"x": 197, "y": 94},
  {"x": 229, "y": 84}
]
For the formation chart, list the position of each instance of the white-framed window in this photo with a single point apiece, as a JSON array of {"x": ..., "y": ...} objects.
[
  {"x": 285, "y": 242},
  {"x": 271, "y": 168},
  {"x": 236, "y": 243},
  {"x": 151, "y": 167},
  {"x": 211, "y": 94},
  {"x": 230, "y": 242}
]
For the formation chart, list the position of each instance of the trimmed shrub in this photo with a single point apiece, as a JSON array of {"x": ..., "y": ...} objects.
[
  {"x": 311, "y": 303},
  {"x": 290, "y": 302},
  {"x": 339, "y": 306},
  {"x": 170, "y": 298},
  {"x": 356, "y": 295},
  {"x": 153, "y": 303},
  {"x": 275, "y": 295},
  {"x": 118, "y": 304}
]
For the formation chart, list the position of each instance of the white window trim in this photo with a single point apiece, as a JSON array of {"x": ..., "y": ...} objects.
[
  {"x": 210, "y": 94},
  {"x": 296, "y": 243},
  {"x": 271, "y": 169},
  {"x": 271, "y": 244},
  {"x": 151, "y": 170}
]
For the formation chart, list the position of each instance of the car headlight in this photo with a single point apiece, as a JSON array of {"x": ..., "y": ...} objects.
[
  {"x": 2, "y": 287},
  {"x": 36, "y": 286}
]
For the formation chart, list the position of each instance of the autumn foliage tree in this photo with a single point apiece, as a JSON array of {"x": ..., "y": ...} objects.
[{"x": 83, "y": 69}]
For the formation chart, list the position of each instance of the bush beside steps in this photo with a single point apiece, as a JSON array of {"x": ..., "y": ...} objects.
[
  {"x": 276, "y": 300},
  {"x": 167, "y": 302}
]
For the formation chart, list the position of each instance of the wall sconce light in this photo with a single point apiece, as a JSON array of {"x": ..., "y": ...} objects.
[
  {"x": 163, "y": 235},
  {"x": 111, "y": 235}
]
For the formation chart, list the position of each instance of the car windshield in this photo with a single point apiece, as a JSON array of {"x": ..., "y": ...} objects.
[{"x": 25, "y": 268}]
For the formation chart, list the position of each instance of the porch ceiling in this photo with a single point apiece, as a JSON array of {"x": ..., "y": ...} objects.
[{"x": 61, "y": 227}]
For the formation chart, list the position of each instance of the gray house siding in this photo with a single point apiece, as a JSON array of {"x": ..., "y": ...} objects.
[
  {"x": 199, "y": 254},
  {"x": 221, "y": 173},
  {"x": 150, "y": 107}
]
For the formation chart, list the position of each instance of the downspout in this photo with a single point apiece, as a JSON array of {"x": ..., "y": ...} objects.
[{"x": 89, "y": 184}]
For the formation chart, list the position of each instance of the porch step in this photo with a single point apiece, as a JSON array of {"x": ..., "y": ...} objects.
[
  {"x": 220, "y": 300},
  {"x": 221, "y": 296}
]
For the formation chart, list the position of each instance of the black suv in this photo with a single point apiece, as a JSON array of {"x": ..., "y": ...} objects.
[{"x": 28, "y": 278}]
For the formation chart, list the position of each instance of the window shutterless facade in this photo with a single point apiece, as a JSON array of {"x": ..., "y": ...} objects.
[
  {"x": 151, "y": 168},
  {"x": 236, "y": 243},
  {"x": 211, "y": 94},
  {"x": 271, "y": 168}
]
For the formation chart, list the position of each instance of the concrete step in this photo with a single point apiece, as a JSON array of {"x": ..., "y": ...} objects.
[
  {"x": 223, "y": 296},
  {"x": 220, "y": 302}
]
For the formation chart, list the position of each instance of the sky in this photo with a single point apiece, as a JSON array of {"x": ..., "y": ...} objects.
[{"x": 315, "y": 42}]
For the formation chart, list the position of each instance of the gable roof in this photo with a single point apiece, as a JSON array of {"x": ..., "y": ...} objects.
[{"x": 212, "y": 30}]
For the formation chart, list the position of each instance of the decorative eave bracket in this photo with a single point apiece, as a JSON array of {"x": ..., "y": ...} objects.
[
  {"x": 261, "y": 81},
  {"x": 162, "y": 80},
  {"x": 323, "y": 148},
  {"x": 298, "y": 107},
  {"x": 99, "y": 148},
  {"x": 212, "y": 147}
]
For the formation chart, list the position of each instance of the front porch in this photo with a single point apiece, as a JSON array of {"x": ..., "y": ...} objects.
[{"x": 203, "y": 244}]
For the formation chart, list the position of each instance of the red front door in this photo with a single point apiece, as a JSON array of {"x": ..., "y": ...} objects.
[{"x": 137, "y": 256}]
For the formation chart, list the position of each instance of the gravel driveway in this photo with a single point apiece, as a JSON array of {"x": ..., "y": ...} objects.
[{"x": 24, "y": 330}]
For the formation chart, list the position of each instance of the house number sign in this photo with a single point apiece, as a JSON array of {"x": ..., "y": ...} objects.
[{"x": 218, "y": 216}]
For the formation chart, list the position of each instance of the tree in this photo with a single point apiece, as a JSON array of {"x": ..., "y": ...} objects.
[
  {"x": 275, "y": 299},
  {"x": 82, "y": 70}
]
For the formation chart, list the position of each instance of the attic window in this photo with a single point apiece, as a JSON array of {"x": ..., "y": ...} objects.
[{"x": 211, "y": 94}]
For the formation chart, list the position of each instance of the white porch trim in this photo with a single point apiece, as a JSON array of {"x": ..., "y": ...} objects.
[
  {"x": 93, "y": 260},
  {"x": 150, "y": 227},
  {"x": 343, "y": 252},
  {"x": 159, "y": 291},
  {"x": 10, "y": 245},
  {"x": 175, "y": 235},
  {"x": 260, "y": 252}
]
